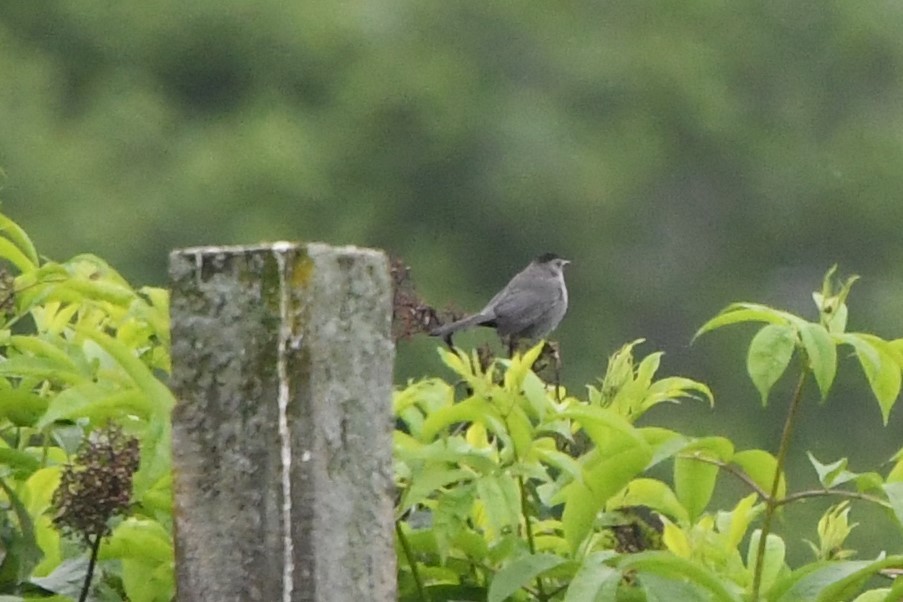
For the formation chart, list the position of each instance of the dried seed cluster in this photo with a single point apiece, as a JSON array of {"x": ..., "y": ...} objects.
[
  {"x": 97, "y": 485},
  {"x": 411, "y": 314}
]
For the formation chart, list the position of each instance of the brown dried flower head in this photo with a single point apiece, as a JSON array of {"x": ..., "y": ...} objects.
[{"x": 97, "y": 484}]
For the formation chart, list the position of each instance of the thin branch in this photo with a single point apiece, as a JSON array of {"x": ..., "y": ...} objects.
[
  {"x": 528, "y": 526},
  {"x": 854, "y": 495},
  {"x": 412, "y": 562},
  {"x": 730, "y": 469},
  {"x": 771, "y": 501},
  {"x": 95, "y": 548}
]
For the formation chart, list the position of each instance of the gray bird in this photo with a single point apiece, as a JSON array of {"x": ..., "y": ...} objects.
[{"x": 530, "y": 306}]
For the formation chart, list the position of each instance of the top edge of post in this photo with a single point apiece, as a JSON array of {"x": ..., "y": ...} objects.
[{"x": 277, "y": 246}]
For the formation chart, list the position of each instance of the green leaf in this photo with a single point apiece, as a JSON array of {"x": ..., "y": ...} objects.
[
  {"x": 429, "y": 480},
  {"x": 501, "y": 500},
  {"x": 694, "y": 480},
  {"x": 894, "y": 492},
  {"x": 594, "y": 580},
  {"x": 881, "y": 364},
  {"x": 156, "y": 391},
  {"x": 659, "y": 588},
  {"x": 21, "y": 407},
  {"x": 147, "y": 582},
  {"x": 769, "y": 354},
  {"x": 674, "y": 567},
  {"x": 603, "y": 477},
  {"x": 519, "y": 574},
  {"x": 17, "y": 235},
  {"x": 139, "y": 538},
  {"x": 40, "y": 368},
  {"x": 831, "y": 475},
  {"x": 832, "y": 581},
  {"x": 694, "y": 483},
  {"x": 22, "y": 463},
  {"x": 743, "y": 312},
  {"x": 472, "y": 409},
  {"x": 23, "y": 546},
  {"x": 775, "y": 552},
  {"x": 93, "y": 402},
  {"x": 605, "y": 427},
  {"x": 759, "y": 465},
  {"x": 822, "y": 354},
  {"x": 673, "y": 389},
  {"x": 654, "y": 494},
  {"x": 66, "y": 579},
  {"x": 15, "y": 256}
]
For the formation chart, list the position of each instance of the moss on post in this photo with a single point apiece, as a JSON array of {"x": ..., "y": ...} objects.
[{"x": 282, "y": 367}]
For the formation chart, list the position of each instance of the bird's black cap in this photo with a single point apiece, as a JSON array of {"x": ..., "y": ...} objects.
[{"x": 547, "y": 257}]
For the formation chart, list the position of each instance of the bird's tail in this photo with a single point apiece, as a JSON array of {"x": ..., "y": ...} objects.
[{"x": 452, "y": 327}]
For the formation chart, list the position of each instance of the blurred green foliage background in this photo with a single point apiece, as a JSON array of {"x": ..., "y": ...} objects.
[{"x": 684, "y": 154}]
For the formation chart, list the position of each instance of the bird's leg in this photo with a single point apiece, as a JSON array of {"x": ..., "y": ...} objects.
[
  {"x": 512, "y": 346},
  {"x": 556, "y": 358}
]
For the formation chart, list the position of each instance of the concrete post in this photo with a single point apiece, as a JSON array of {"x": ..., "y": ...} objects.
[{"x": 282, "y": 460}]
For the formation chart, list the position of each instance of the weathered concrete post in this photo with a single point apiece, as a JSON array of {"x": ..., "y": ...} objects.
[{"x": 282, "y": 367}]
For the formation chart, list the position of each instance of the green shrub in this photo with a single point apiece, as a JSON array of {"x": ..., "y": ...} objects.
[
  {"x": 509, "y": 489},
  {"x": 80, "y": 356}
]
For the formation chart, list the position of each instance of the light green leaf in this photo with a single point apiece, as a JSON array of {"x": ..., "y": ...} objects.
[
  {"x": 743, "y": 312},
  {"x": 23, "y": 542},
  {"x": 148, "y": 582},
  {"x": 428, "y": 481},
  {"x": 881, "y": 364},
  {"x": 759, "y": 465},
  {"x": 607, "y": 474},
  {"x": 501, "y": 500},
  {"x": 594, "y": 580},
  {"x": 832, "y": 581},
  {"x": 769, "y": 354},
  {"x": 93, "y": 402},
  {"x": 894, "y": 492},
  {"x": 831, "y": 475},
  {"x": 17, "y": 235},
  {"x": 874, "y": 595},
  {"x": 519, "y": 574},
  {"x": 694, "y": 483},
  {"x": 139, "y": 538},
  {"x": 674, "y": 567},
  {"x": 472, "y": 409},
  {"x": 15, "y": 256},
  {"x": 822, "y": 354},
  {"x": 157, "y": 393},
  {"x": 653, "y": 494},
  {"x": 775, "y": 552},
  {"x": 21, "y": 407}
]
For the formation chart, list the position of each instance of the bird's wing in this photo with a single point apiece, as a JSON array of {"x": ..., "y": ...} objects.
[{"x": 524, "y": 304}]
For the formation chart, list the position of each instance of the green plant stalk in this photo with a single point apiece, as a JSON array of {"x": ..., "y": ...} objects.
[
  {"x": 771, "y": 502},
  {"x": 528, "y": 528},
  {"x": 409, "y": 555},
  {"x": 92, "y": 562}
]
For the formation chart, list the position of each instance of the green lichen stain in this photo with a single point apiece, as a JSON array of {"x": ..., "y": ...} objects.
[
  {"x": 270, "y": 283},
  {"x": 300, "y": 279},
  {"x": 302, "y": 271}
]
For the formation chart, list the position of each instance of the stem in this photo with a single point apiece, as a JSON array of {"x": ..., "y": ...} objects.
[
  {"x": 528, "y": 527},
  {"x": 853, "y": 495},
  {"x": 771, "y": 502},
  {"x": 409, "y": 555},
  {"x": 730, "y": 469},
  {"x": 791, "y": 497},
  {"x": 95, "y": 548}
]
